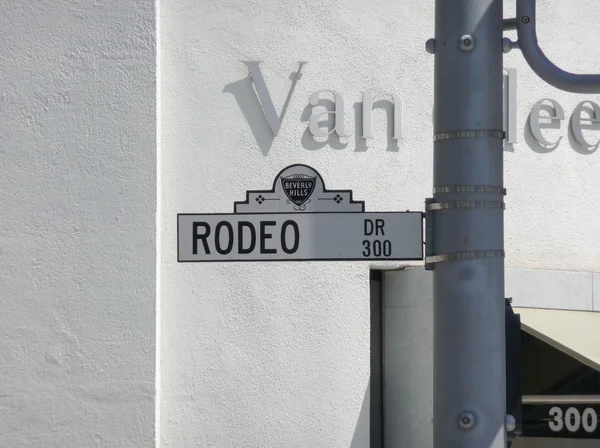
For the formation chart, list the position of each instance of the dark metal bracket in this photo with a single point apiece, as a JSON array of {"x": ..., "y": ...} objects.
[{"x": 525, "y": 24}]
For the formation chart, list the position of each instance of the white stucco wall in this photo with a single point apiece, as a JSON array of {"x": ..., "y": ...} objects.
[
  {"x": 277, "y": 354},
  {"x": 77, "y": 223},
  {"x": 255, "y": 354}
]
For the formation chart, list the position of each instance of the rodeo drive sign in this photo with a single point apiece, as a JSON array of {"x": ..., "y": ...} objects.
[{"x": 585, "y": 116}]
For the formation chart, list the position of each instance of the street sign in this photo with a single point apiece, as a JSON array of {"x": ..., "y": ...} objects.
[
  {"x": 564, "y": 420},
  {"x": 299, "y": 220}
]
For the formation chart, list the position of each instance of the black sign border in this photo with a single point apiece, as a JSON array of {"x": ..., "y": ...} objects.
[{"x": 294, "y": 259}]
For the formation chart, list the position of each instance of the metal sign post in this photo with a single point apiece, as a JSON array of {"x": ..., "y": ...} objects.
[
  {"x": 467, "y": 251},
  {"x": 465, "y": 228}
]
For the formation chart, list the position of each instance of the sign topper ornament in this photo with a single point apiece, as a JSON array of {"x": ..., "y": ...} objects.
[
  {"x": 299, "y": 219},
  {"x": 298, "y": 188}
]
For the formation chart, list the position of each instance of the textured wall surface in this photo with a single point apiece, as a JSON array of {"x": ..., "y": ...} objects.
[
  {"x": 277, "y": 354},
  {"x": 548, "y": 224},
  {"x": 408, "y": 354},
  {"x": 77, "y": 223},
  {"x": 265, "y": 355}
]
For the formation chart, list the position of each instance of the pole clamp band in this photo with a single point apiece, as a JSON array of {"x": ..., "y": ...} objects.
[
  {"x": 468, "y": 134},
  {"x": 485, "y": 189},
  {"x": 466, "y": 204},
  {"x": 472, "y": 255}
]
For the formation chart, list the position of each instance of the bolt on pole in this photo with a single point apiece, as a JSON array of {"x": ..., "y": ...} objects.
[{"x": 468, "y": 225}]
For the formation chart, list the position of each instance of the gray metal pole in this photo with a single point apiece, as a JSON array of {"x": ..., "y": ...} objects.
[{"x": 468, "y": 230}]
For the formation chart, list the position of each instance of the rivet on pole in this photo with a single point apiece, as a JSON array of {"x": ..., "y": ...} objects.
[
  {"x": 467, "y": 43},
  {"x": 466, "y": 420}
]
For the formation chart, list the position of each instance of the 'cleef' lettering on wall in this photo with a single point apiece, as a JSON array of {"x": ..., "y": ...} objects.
[
  {"x": 576, "y": 123},
  {"x": 558, "y": 115}
]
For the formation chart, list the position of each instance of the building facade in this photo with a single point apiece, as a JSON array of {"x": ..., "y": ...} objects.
[{"x": 119, "y": 116}]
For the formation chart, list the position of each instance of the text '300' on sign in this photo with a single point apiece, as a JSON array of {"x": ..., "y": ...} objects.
[{"x": 300, "y": 236}]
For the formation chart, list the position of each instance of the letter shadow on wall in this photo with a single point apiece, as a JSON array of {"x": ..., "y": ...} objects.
[
  {"x": 309, "y": 141},
  {"x": 362, "y": 433},
  {"x": 589, "y": 126},
  {"x": 245, "y": 96},
  {"x": 545, "y": 123},
  {"x": 249, "y": 103}
]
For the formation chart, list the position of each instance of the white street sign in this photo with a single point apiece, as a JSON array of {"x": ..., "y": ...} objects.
[
  {"x": 296, "y": 237},
  {"x": 299, "y": 220}
]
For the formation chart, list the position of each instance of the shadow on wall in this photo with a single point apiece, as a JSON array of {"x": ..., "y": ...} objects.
[
  {"x": 361, "y": 438},
  {"x": 308, "y": 140},
  {"x": 591, "y": 126},
  {"x": 249, "y": 103},
  {"x": 245, "y": 96}
]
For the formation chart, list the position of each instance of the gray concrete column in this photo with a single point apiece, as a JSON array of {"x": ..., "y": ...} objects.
[{"x": 408, "y": 358}]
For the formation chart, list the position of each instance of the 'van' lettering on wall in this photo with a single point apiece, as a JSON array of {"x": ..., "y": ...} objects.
[{"x": 585, "y": 116}]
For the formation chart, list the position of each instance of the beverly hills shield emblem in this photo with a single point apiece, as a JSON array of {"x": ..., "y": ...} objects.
[{"x": 298, "y": 188}]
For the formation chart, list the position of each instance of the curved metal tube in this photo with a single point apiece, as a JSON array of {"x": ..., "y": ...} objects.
[{"x": 538, "y": 61}]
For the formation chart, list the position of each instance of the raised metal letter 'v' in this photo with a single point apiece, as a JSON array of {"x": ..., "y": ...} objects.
[{"x": 264, "y": 96}]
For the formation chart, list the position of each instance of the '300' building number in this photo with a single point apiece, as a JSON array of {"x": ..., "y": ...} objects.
[{"x": 573, "y": 420}]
